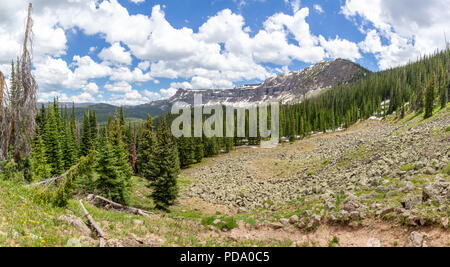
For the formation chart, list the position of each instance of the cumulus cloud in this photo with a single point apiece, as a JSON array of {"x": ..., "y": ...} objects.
[
  {"x": 318, "y": 8},
  {"x": 340, "y": 48},
  {"x": 411, "y": 27},
  {"x": 223, "y": 51},
  {"x": 116, "y": 54}
]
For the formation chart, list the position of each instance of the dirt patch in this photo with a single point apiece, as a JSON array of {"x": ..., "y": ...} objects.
[{"x": 387, "y": 235}]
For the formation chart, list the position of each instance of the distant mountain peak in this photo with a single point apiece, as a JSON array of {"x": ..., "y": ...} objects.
[{"x": 286, "y": 87}]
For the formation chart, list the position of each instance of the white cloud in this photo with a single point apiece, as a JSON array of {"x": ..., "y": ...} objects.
[
  {"x": 167, "y": 93},
  {"x": 340, "y": 48},
  {"x": 295, "y": 4},
  {"x": 137, "y": 1},
  {"x": 411, "y": 27},
  {"x": 219, "y": 54},
  {"x": 116, "y": 54},
  {"x": 122, "y": 87},
  {"x": 87, "y": 68},
  {"x": 144, "y": 65},
  {"x": 91, "y": 88},
  {"x": 318, "y": 8}
]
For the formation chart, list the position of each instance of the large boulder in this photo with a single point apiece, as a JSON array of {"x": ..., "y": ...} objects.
[{"x": 416, "y": 240}]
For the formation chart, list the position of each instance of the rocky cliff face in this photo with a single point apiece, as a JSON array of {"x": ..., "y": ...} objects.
[{"x": 289, "y": 87}]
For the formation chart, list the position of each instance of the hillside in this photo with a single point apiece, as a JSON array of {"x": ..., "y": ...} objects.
[{"x": 368, "y": 186}]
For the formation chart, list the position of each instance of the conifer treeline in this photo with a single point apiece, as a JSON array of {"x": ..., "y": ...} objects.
[{"x": 418, "y": 87}]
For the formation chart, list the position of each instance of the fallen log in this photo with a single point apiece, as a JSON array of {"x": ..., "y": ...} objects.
[
  {"x": 136, "y": 211},
  {"x": 94, "y": 225},
  {"x": 50, "y": 181}
]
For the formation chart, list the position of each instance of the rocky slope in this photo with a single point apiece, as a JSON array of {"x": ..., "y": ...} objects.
[{"x": 376, "y": 169}]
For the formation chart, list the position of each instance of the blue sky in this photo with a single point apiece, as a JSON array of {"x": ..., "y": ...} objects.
[{"x": 128, "y": 52}]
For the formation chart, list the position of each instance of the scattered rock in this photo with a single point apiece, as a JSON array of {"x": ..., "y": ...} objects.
[
  {"x": 385, "y": 211},
  {"x": 294, "y": 219},
  {"x": 284, "y": 221},
  {"x": 276, "y": 226},
  {"x": 444, "y": 222},
  {"x": 113, "y": 243},
  {"x": 411, "y": 201},
  {"x": 351, "y": 206},
  {"x": 314, "y": 221},
  {"x": 415, "y": 240},
  {"x": 429, "y": 171}
]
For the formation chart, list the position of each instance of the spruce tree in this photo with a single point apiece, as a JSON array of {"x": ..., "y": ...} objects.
[
  {"x": 69, "y": 156},
  {"x": 133, "y": 150},
  {"x": 198, "y": 149},
  {"x": 165, "y": 190},
  {"x": 429, "y": 98},
  {"x": 74, "y": 132},
  {"x": 52, "y": 141},
  {"x": 109, "y": 183},
  {"x": 186, "y": 151},
  {"x": 121, "y": 160},
  {"x": 39, "y": 166},
  {"x": 86, "y": 138},
  {"x": 146, "y": 161},
  {"x": 93, "y": 128}
]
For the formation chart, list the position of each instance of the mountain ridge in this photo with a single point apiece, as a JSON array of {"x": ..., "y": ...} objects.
[{"x": 291, "y": 87}]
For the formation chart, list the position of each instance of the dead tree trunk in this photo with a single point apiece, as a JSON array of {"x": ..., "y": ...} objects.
[
  {"x": 94, "y": 225},
  {"x": 17, "y": 122},
  {"x": 117, "y": 206}
]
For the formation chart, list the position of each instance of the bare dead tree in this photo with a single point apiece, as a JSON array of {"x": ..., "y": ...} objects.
[
  {"x": 27, "y": 103},
  {"x": 17, "y": 122},
  {"x": 5, "y": 118}
]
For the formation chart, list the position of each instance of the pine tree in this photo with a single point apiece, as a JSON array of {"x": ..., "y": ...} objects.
[
  {"x": 69, "y": 156},
  {"x": 52, "y": 141},
  {"x": 229, "y": 144},
  {"x": 165, "y": 190},
  {"x": 429, "y": 98},
  {"x": 109, "y": 182},
  {"x": 443, "y": 84},
  {"x": 198, "y": 149},
  {"x": 74, "y": 132},
  {"x": 186, "y": 151},
  {"x": 93, "y": 128},
  {"x": 39, "y": 166},
  {"x": 86, "y": 138},
  {"x": 122, "y": 118},
  {"x": 133, "y": 150},
  {"x": 146, "y": 161},
  {"x": 41, "y": 119},
  {"x": 121, "y": 160}
]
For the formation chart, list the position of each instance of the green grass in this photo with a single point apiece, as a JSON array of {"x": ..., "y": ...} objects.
[
  {"x": 333, "y": 242},
  {"x": 437, "y": 113},
  {"x": 227, "y": 223},
  {"x": 446, "y": 169},
  {"x": 408, "y": 167},
  {"x": 26, "y": 223}
]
